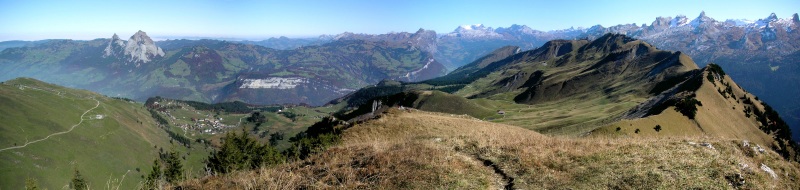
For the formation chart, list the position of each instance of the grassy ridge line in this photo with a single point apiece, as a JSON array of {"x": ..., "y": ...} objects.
[
  {"x": 58, "y": 133},
  {"x": 425, "y": 150}
]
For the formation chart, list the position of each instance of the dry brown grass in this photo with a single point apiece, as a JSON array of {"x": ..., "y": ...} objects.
[
  {"x": 719, "y": 117},
  {"x": 421, "y": 150}
]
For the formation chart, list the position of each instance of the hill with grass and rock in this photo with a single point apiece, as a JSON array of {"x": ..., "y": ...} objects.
[
  {"x": 611, "y": 113},
  {"x": 50, "y": 132},
  {"x": 614, "y": 112},
  {"x": 582, "y": 87},
  {"x": 426, "y": 150},
  {"x": 760, "y": 53}
]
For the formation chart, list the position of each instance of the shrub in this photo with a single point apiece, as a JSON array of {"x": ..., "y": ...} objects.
[
  {"x": 275, "y": 137},
  {"x": 315, "y": 139},
  {"x": 716, "y": 69},
  {"x": 657, "y": 128},
  {"x": 152, "y": 180},
  {"x": 240, "y": 152},
  {"x": 290, "y": 115},
  {"x": 688, "y": 106},
  {"x": 257, "y": 117},
  {"x": 173, "y": 171},
  {"x": 30, "y": 184},
  {"x": 78, "y": 183}
]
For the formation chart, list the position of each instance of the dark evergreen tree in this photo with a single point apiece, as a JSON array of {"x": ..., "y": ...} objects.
[
  {"x": 240, "y": 152},
  {"x": 153, "y": 179},
  {"x": 78, "y": 183},
  {"x": 173, "y": 171}
]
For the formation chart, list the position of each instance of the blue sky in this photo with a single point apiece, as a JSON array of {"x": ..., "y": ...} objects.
[{"x": 40, "y": 19}]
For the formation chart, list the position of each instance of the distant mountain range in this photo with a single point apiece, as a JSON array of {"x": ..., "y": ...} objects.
[
  {"x": 760, "y": 54},
  {"x": 218, "y": 71}
]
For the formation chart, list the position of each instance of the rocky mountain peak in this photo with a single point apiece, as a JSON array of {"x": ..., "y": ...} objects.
[
  {"x": 795, "y": 18},
  {"x": 660, "y": 23},
  {"x": 701, "y": 19},
  {"x": 678, "y": 21},
  {"x": 141, "y": 37},
  {"x": 138, "y": 49},
  {"x": 115, "y": 46},
  {"x": 423, "y": 32},
  {"x": 141, "y": 48},
  {"x": 772, "y": 17}
]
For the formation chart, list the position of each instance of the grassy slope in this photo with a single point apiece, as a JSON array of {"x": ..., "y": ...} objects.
[
  {"x": 573, "y": 100},
  {"x": 447, "y": 103},
  {"x": 104, "y": 150},
  {"x": 718, "y": 116},
  {"x": 428, "y": 150}
]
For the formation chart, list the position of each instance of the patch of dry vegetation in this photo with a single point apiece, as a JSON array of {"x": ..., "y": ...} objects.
[{"x": 424, "y": 150}]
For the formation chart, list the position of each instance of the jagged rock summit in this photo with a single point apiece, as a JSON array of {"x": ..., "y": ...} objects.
[{"x": 138, "y": 49}]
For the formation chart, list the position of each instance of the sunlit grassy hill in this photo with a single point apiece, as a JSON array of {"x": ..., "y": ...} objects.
[
  {"x": 48, "y": 131},
  {"x": 424, "y": 150}
]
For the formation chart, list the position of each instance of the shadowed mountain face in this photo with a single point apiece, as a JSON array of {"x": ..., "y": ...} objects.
[
  {"x": 216, "y": 71},
  {"x": 579, "y": 87},
  {"x": 760, "y": 54}
]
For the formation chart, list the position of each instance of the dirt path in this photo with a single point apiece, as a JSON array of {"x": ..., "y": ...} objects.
[
  {"x": 507, "y": 182},
  {"x": 58, "y": 133},
  {"x": 502, "y": 181}
]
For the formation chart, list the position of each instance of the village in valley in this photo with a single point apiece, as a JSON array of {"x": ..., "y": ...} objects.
[{"x": 208, "y": 122}]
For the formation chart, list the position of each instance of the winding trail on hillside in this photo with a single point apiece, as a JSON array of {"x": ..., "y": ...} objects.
[
  {"x": 503, "y": 180},
  {"x": 506, "y": 180},
  {"x": 57, "y": 133}
]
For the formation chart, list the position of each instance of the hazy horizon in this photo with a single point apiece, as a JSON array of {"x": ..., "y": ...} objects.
[{"x": 257, "y": 20}]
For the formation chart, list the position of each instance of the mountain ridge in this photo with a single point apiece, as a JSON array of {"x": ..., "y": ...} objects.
[
  {"x": 216, "y": 71},
  {"x": 602, "y": 82},
  {"x": 758, "y": 53}
]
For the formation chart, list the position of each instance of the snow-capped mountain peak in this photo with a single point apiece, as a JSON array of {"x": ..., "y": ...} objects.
[
  {"x": 474, "y": 31},
  {"x": 701, "y": 20},
  {"x": 739, "y": 22},
  {"x": 764, "y": 22},
  {"x": 678, "y": 21},
  {"x": 473, "y": 27},
  {"x": 516, "y": 28},
  {"x": 772, "y": 17}
]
